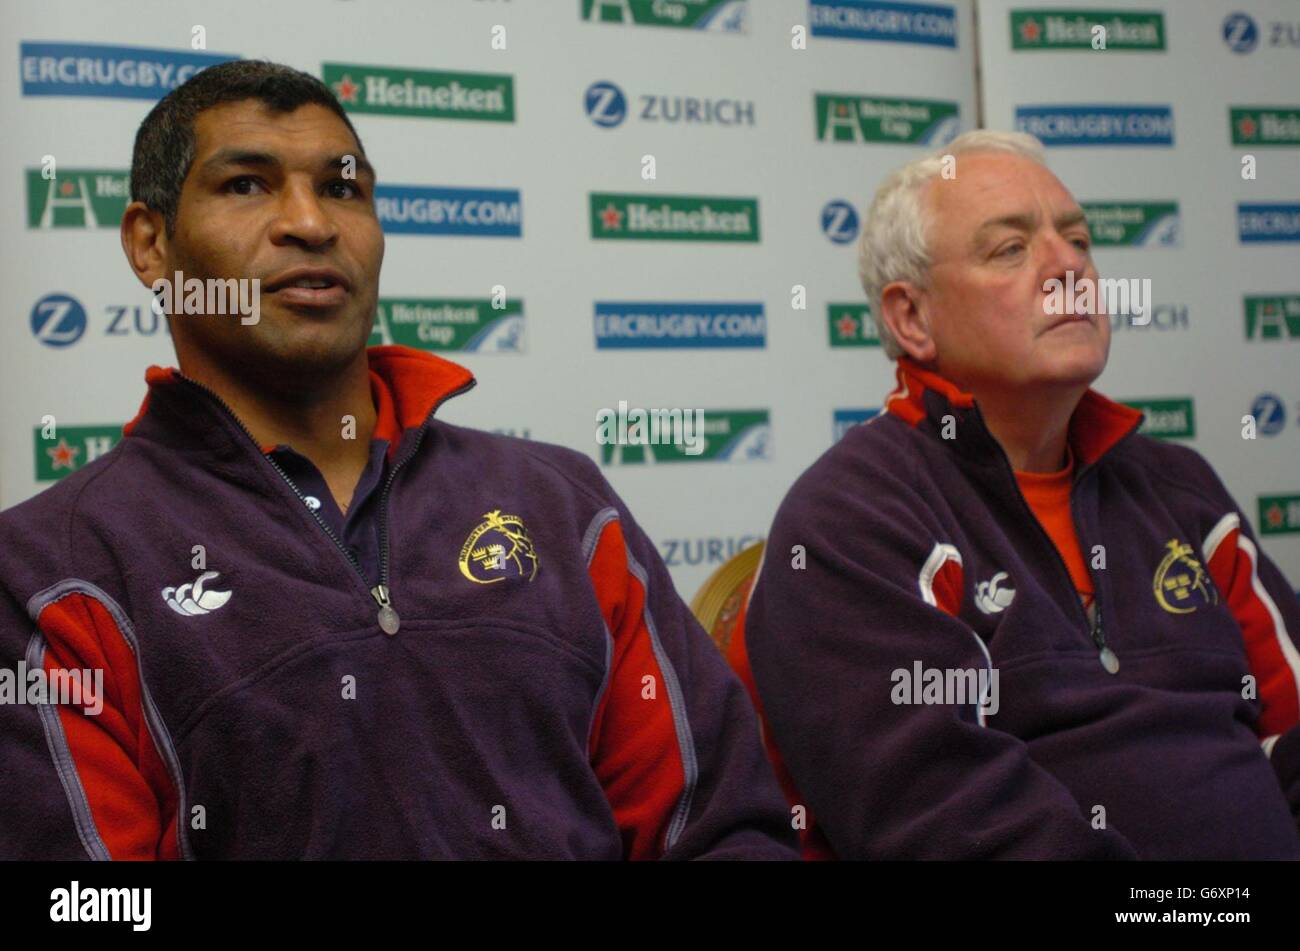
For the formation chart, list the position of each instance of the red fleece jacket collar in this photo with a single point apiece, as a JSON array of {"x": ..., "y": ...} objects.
[
  {"x": 405, "y": 383},
  {"x": 1098, "y": 423}
]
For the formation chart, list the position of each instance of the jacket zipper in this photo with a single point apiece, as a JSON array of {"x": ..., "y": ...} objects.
[
  {"x": 388, "y": 619},
  {"x": 1108, "y": 658}
]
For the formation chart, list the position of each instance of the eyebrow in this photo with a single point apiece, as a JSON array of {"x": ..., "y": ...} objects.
[
  {"x": 252, "y": 158},
  {"x": 1027, "y": 222}
]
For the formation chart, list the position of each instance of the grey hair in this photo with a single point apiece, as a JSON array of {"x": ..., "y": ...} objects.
[{"x": 895, "y": 245}]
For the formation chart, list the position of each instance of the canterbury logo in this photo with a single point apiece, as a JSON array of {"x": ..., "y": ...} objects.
[
  {"x": 191, "y": 599},
  {"x": 992, "y": 599}
]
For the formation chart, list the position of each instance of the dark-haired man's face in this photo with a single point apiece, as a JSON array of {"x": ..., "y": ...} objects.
[{"x": 265, "y": 196}]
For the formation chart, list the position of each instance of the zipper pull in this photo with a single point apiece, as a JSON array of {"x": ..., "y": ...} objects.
[
  {"x": 1108, "y": 658},
  {"x": 388, "y": 619}
]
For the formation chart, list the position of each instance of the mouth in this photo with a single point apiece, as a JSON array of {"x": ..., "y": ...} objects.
[
  {"x": 1068, "y": 320},
  {"x": 309, "y": 287}
]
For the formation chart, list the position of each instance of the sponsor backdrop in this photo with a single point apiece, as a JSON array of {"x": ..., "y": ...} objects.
[
  {"x": 654, "y": 204},
  {"x": 1182, "y": 142}
]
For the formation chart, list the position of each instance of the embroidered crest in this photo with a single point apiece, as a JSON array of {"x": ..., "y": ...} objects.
[
  {"x": 1181, "y": 585},
  {"x": 497, "y": 549}
]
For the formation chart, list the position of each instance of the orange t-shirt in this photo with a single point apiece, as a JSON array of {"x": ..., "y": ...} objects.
[{"x": 1048, "y": 494}]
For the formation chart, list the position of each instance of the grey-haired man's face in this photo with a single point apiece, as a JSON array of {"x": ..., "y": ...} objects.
[
  {"x": 265, "y": 195},
  {"x": 1001, "y": 229}
]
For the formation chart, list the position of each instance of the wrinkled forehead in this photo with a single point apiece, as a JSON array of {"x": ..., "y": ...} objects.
[
  {"x": 250, "y": 123},
  {"x": 989, "y": 186}
]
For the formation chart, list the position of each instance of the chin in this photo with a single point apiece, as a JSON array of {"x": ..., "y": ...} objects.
[
  {"x": 1078, "y": 368},
  {"x": 319, "y": 347}
]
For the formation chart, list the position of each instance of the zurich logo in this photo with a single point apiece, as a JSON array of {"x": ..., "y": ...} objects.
[
  {"x": 190, "y": 599},
  {"x": 58, "y": 320},
  {"x": 1269, "y": 413},
  {"x": 605, "y": 104},
  {"x": 1240, "y": 33},
  {"x": 840, "y": 222}
]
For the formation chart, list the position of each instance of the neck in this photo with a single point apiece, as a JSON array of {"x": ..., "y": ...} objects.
[
  {"x": 1033, "y": 428},
  {"x": 308, "y": 416}
]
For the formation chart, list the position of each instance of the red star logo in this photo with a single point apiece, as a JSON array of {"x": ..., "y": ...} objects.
[
  {"x": 67, "y": 187},
  {"x": 842, "y": 108},
  {"x": 1274, "y": 515},
  {"x": 1246, "y": 127},
  {"x": 63, "y": 455},
  {"x": 611, "y": 218},
  {"x": 847, "y": 327},
  {"x": 346, "y": 89},
  {"x": 1030, "y": 31}
]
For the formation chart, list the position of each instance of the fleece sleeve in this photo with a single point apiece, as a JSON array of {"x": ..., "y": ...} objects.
[
  {"x": 1265, "y": 607},
  {"x": 81, "y": 777},
  {"x": 675, "y": 742}
]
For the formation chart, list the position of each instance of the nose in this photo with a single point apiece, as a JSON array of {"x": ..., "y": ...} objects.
[
  {"x": 301, "y": 218},
  {"x": 1063, "y": 255}
]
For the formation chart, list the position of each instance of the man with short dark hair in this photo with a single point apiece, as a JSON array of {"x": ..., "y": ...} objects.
[
  {"x": 328, "y": 624},
  {"x": 996, "y": 621}
]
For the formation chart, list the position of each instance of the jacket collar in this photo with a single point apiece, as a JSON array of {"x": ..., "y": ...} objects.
[
  {"x": 1097, "y": 426},
  {"x": 406, "y": 384}
]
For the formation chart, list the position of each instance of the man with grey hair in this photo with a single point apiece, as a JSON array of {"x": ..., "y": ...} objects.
[{"x": 995, "y": 621}]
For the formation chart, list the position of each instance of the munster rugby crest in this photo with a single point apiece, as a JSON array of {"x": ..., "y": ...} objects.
[
  {"x": 499, "y": 548},
  {"x": 1181, "y": 585}
]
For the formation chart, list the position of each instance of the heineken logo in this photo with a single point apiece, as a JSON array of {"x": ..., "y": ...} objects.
[
  {"x": 1078, "y": 30},
  {"x": 450, "y": 324},
  {"x": 66, "y": 449},
  {"x": 647, "y": 436},
  {"x": 118, "y": 72},
  {"x": 1273, "y": 318},
  {"x": 851, "y": 325},
  {"x": 1097, "y": 125},
  {"x": 673, "y": 217},
  {"x": 1257, "y": 125},
  {"x": 622, "y": 325},
  {"x": 473, "y": 212},
  {"x": 1167, "y": 418},
  {"x": 1279, "y": 514},
  {"x": 428, "y": 94},
  {"x": 1267, "y": 223},
  {"x": 926, "y": 23},
  {"x": 852, "y": 118},
  {"x": 724, "y": 16},
  {"x": 76, "y": 197},
  {"x": 1134, "y": 224}
]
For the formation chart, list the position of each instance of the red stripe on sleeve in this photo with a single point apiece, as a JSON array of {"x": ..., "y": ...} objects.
[
  {"x": 1234, "y": 574},
  {"x": 634, "y": 744},
  {"x": 131, "y": 796}
]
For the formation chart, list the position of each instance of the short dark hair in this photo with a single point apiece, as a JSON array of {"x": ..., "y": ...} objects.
[{"x": 164, "y": 144}]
